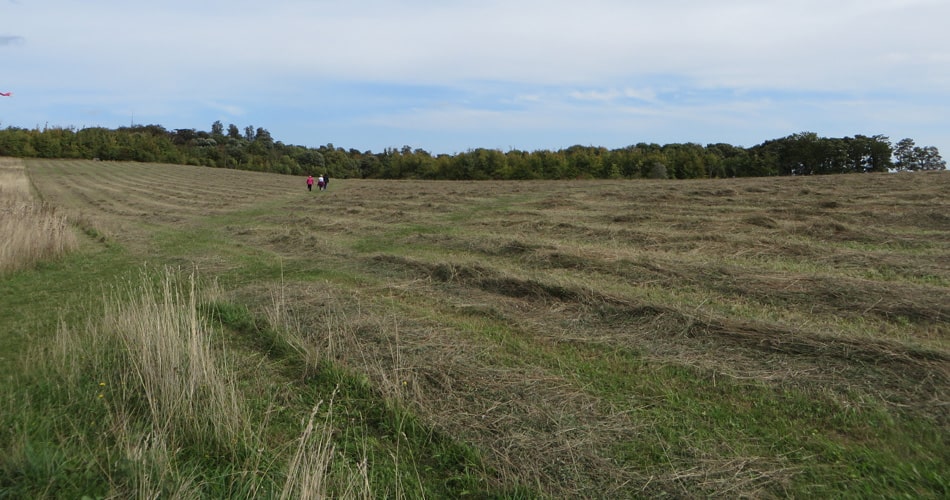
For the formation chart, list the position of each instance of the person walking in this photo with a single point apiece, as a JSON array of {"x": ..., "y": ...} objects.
[
  {"x": 326, "y": 181},
  {"x": 310, "y": 183},
  {"x": 320, "y": 183}
]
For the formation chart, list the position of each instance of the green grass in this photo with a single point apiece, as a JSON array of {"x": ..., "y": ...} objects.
[
  {"x": 35, "y": 300},
  {"x": 479, "y": 340},
  {"x": 62, "y": 438}
]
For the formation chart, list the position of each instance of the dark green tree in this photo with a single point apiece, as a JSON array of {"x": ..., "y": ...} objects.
[
  {"x": 657, "y": 171},
  {"x": 869, "y": 154},
  {"x": 233, "y": 131},
  {"x": 905, "y": 155},
  {"x": 908, "y": 156},
  {"x": 928, "y": 158},
  {"x": 370, "y": 166}
]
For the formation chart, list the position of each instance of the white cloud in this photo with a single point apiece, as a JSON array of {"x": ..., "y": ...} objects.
[
  {"x": 736, "y": 42},
  {"x": 610, "y": 66}
]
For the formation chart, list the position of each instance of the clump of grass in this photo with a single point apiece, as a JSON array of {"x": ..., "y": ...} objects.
[
  {"x": 307, "y": 470},
  {"x": 171, "y": 362},
  {"x": 140, "y": 402},
  {"x": 287, "y": 330},
  {"x": 32, "y": 232},
  {"x": 127, "y": 404}
]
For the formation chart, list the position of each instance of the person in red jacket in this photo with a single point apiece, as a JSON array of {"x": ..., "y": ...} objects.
[{"x": 310, "y": 183}]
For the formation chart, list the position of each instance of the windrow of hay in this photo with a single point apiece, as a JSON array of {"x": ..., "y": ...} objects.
[
  {"x": 32, "y": 231},
  {"x": 635, "y": 324}
]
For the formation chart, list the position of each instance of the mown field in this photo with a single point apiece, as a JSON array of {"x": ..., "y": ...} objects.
[{"x": 768, "y": 337}]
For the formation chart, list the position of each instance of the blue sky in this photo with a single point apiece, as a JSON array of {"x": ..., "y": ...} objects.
[{"x": 452, "y": 75}]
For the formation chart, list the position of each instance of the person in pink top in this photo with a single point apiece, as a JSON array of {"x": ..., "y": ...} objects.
[{"x": 310, "y": 183}]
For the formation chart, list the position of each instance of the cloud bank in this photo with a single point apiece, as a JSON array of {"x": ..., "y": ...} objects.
[{"x": 448, "y": 76}]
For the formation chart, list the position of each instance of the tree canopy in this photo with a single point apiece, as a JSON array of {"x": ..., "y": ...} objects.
[{"x": 804, "y": 153}]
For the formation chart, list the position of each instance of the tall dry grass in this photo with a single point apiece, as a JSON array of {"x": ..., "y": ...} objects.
[
  {"x": 307, "y": 471},
  {"x": 164, "y": 385},
  {"x": 32, "y": 231},
  {"x": 287, "y": 326},
  {"x": 172, "y": 362}
]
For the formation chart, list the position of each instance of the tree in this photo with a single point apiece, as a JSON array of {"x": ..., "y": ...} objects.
[
  {"x": 657, "y": 171},
  {"x": 45, "y": 144},
  {"x": 369, "y": 166},
  {"x": 869, "y": 154},
  {"x": 685, "y": 161},
  {"x": 928, "y": 158},
  {"x": 800, "y": 154},
  {"x": 908, "y": 156},
  {"x": 264, "y": 137},
  {"x": 312, "y": 161},
  {"x": 217, "y": 128},
  {"x": 233, "y": 131},
  {"x": 184, "y": 135},
  {"x": 904, "y": 158}
]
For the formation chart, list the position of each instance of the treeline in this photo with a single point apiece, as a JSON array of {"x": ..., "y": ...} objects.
[{"x": 254, "y": 149}]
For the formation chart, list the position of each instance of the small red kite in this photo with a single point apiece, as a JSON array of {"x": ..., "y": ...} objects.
[{"x": 6, "y": 94}]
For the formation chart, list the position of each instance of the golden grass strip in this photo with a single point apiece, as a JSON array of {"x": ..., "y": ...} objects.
[{"x": 32, "y": 231}]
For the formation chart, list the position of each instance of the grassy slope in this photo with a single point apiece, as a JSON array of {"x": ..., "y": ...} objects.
[{"x": 748, "y": 336}]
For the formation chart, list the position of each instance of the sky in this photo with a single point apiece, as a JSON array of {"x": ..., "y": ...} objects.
[{"x": 453, "y": 75}]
